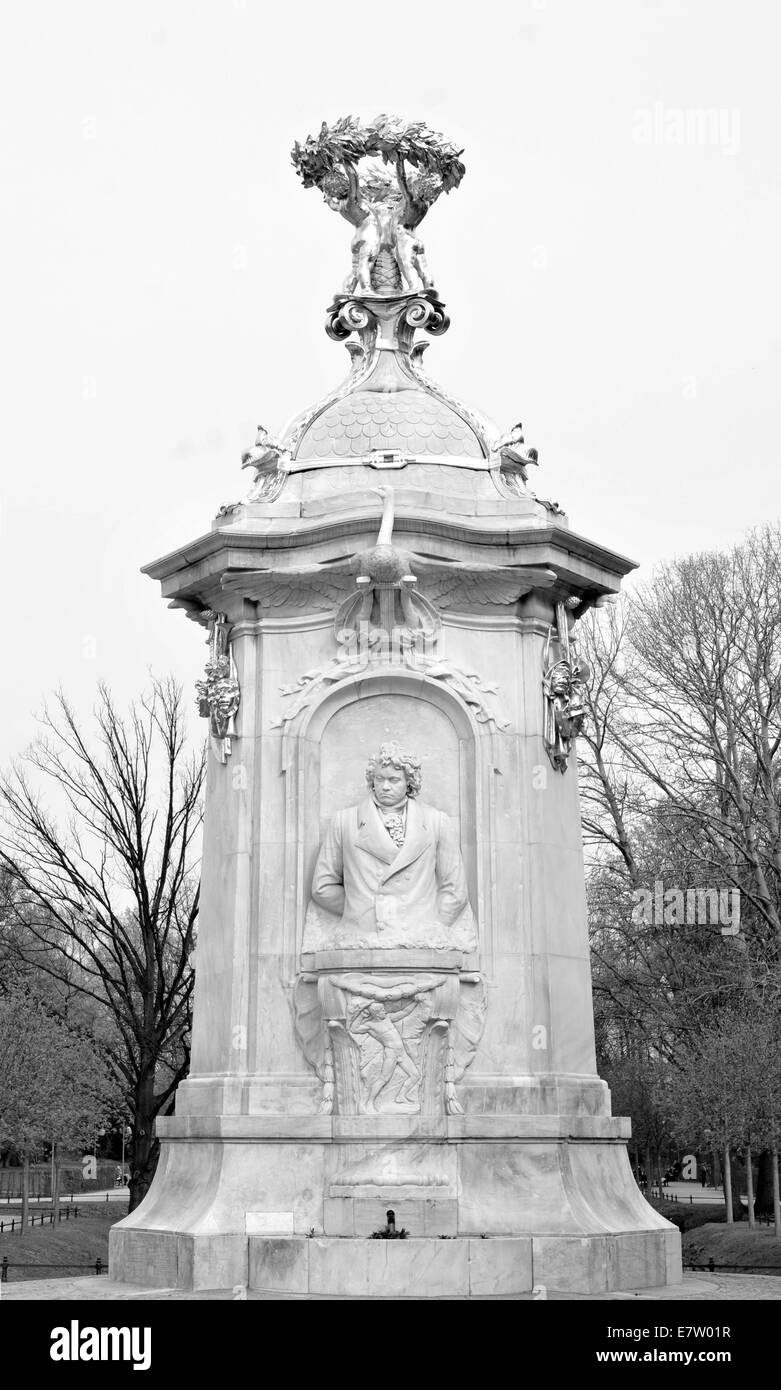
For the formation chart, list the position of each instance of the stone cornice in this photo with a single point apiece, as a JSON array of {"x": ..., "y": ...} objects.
[
  {"x": 580, "y": 562},
  {"x": 291, "y": 622},
  {"x": 497, "y": 622},
  {"x": 479, "y": 1128}
]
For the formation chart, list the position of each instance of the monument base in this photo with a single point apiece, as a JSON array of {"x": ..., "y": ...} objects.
[
  {"x": 492, "y": 1206},
  {"x": 462, "y": 1267},
  {"x": 418, "y": 1267}
]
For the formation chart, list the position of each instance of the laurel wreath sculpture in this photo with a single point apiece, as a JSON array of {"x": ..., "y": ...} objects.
[{"x": 321, "y": 159}]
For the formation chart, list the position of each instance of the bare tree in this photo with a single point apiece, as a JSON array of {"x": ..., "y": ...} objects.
[
  {"x": 611, "y": 793},
  {"x": 681, "y": 768},
  {"x": 654, "y": 984},
  {"x": 702, "y": 716},
  {"x": 105, "y": 894}
]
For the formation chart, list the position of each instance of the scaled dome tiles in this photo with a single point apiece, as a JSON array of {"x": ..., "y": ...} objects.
[{"x": 407, "y": 421}]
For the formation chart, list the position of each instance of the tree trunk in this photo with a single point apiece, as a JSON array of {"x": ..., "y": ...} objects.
[
  {"x": 145, "y": 1146},
  {"x": 763, "y": 1197},
  {"x": 728, "y": 1187},
  {"x": 750, "y": 1189},
  {"x": 736, "y": 1182},
  {"x": 55, "y": 1189},
  {"x": 716, "y": 1176},
  {"x": 776, "y": 1203},
  {"x": 25, "y": 1193}
]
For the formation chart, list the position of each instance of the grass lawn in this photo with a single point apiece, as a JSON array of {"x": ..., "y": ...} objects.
[
  {"x": 69, "y": 1248},
  {"x": 687, "y": 1218},
  {"x": 706, "y": 1236},
  {"x": 752, "y": 1252}
]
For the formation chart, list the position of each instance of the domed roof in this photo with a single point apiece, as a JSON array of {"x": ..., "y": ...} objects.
[
  {"x": 409, "y": 421},
  {"x": 388, "y": 404},
  {"x": 389, "y": 425}
]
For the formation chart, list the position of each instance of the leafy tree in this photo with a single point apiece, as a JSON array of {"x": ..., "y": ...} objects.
[
  {"x": 55, "y": 1088},
  {"x": 764, "y": 1076},
  {"x": 716, "y": 1093},
  {"x": 640, "y": 1085}
]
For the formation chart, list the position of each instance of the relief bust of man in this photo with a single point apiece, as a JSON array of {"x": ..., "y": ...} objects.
[{"x": 389, "y": 872}]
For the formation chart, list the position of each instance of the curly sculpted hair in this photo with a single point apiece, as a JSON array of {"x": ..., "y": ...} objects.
[{"x": 395, "y": 756}]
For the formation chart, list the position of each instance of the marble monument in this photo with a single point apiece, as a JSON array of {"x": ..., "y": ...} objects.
[{"x": 393, "y": 997}]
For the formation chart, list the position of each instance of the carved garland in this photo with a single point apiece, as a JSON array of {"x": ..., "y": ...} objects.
[
  {"x": 564, "y": 689},
  {"x": 219, "y": 694}
]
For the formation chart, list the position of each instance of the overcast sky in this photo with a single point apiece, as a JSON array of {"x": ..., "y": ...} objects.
[{"x": 610, "y": 264}]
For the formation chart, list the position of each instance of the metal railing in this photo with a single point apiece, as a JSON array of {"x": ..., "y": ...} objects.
[
  {"x": 44, "y": 1218},
  {"x": 712, "y": 1268},
  {"x": 96, "y": 1265}
]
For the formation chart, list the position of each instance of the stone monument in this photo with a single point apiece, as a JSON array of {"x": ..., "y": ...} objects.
[{"x": 393, "y": 1022}]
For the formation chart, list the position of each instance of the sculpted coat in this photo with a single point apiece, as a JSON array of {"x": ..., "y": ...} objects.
[{"x": 367, "y": 892}]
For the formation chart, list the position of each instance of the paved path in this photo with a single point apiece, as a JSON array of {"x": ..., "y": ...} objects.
[
  {"x": 692, "y": 1192},
  {"x": 696, "y": 1288},
  {"x": 700, "y": 1288},
  {"x": 113, "y": 1194}
]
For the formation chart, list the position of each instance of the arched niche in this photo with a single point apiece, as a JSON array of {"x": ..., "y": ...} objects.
[{"x": 325, "y": 760}]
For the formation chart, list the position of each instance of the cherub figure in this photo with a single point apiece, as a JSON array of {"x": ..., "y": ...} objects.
[
  {"x": 367, "y": 217},
  {"x": 410, "y": 210},
  {"x": 384, "y": 210}
]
